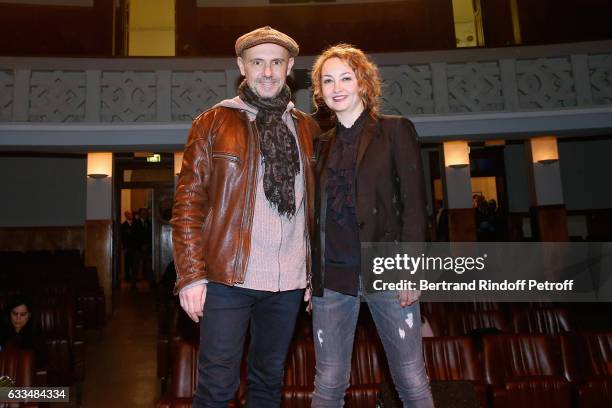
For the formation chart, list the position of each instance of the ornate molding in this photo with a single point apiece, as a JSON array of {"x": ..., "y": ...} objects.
[
  {"x": 128, "y": 97},
  {"x": 440, "y": 83},
  {"x": 194, "y": 92},
  {"x": 57, "y": 96},
  {"x": 600, "y": 72}
]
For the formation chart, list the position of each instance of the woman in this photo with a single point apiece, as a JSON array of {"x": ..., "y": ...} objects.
[
  {"x": 17, "y": 330},
  {"x": 370, "y": 189}
]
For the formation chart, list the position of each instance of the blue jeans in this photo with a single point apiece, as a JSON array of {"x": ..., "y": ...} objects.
[
  {"x": 334, "y": 321},
  {"x": 227, "y": 313}
]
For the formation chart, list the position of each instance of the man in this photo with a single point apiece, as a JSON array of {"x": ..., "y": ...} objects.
[
  {"x": 242, "y": 221},
  {"x": 131, "y": 248},
  {"x": 146, "y": 237}
]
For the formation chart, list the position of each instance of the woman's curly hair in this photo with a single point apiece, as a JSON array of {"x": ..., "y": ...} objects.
[{"x": 366, "y": 72}]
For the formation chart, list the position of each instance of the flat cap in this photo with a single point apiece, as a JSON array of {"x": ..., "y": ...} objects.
[{"x": 264, "y": 35}]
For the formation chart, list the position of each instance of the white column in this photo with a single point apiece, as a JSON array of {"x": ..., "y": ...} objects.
[
  {"x": 99, "y": 186},
  {"x": 457, "y": 178},
  {"x": 545, "y": 184},
  {"x": 458, "y": 191},
  {"x": 548, "y": 214},
  {"x": 99, "y": 220},
  {"x": 99, "y": 198}
]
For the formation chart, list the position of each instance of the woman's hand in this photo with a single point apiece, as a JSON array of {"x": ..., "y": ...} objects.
[
  {"x": 408, "y": 297},
  {"x": 308, "y": 299}
]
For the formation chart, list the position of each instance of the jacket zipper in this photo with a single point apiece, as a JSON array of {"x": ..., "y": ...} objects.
[
  {"x": 250, "y": 195},
  {"x": 228, "y": 156},
  {"x": 306, "y": 208}
]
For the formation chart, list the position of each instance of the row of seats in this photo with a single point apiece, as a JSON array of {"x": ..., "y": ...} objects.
[
  {"x": 526, "y": 370},
  {"x": 61, "y": 273},
  {"x": 66, "y": 300},
  {"x": 178, "y": 331},
  {"x": 366, "y": 375},
  {"x": 19, "y": 365},
  {"x": 553, "y": 320},
  {"x": 547, "y": 318},
  {"x": 445, "y": 319},
  {"x": 62, "y": 336},
  {"x": 173, "y": 325}
]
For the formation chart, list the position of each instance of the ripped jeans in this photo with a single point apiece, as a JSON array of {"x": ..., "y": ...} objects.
[{"x": 334, "y": 322}]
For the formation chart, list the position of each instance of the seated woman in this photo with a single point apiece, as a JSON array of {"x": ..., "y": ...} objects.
[
  {"x": 370, "y": 189},
  {"x": 17, "y": 330}
]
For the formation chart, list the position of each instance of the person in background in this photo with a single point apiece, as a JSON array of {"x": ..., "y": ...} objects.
[
  {"x": 146, "y": 240},
  {"x": 370, "y": 189},
  {"x": 130, "y": 243},
  {"x": 17, "y": 330}
]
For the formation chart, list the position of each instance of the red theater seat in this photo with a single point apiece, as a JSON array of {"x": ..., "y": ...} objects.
[
  {"x": 462, "y": 323},
  {"x": 525, "y": 370},
  {"x": 541, "y": 320},
  {"x": 65, "y": 347},
  {"x": 454, "y": 359},
  {"x": 174, "y": 325},
  {"x": 587, "y": 361},
  {"x": 19, "y": 366},
  {"x": 184, "y": 377}
]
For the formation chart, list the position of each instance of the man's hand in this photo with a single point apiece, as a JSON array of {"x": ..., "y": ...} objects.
[
  {"x": 408, "y": 297},
  {"x": 192, "y": 301}
]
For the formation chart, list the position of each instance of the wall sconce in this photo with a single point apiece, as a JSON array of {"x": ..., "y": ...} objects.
[
  {"x": 494, "y": 142},
  {"x": 456, "y": 154},
  {"x": 544, "y": 150},
  {"x": 99, "y": 165},
  {"x": 178, "y": 162}
]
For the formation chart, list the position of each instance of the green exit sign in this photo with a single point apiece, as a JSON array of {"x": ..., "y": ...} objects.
[{"x": 156, "y": 158}]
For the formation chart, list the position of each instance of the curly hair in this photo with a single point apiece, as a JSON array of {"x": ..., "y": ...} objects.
[{"x": 366, "y": 73}]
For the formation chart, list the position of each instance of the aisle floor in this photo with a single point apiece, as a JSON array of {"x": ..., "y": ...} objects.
[{"x": 121, "y": 358}]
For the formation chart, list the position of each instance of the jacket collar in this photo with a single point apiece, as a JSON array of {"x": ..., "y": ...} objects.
[
  {"x": 237, "y": 103},
  {"x": 370, "y": 129}
]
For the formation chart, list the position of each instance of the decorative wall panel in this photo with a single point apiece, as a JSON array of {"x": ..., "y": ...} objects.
[
  {"x": 128, "y": 96},
  {"x": 407, "y": 90},
  {"x": 6, "y": 95},
  {"x": 545, "y": 83},
  {"x": 132, "y": 91},
  {"x": 57, "y": 96},
  {"x": 474, "y": 87},
  {"x": 600, "y": 72},
  {"x": 194, "y": 92}
]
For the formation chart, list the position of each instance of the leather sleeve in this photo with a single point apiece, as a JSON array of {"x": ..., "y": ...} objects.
[
  {"x": 192, "y": 204},
  {"x": 315, "y": 129},
  {"x": 409, "y": 167}
]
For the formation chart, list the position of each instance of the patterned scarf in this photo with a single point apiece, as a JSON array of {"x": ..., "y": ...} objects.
[{"x": 278, "y": 148}]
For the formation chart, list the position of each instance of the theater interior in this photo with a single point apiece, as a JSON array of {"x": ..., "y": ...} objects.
[{"x": 512, "y": 102}]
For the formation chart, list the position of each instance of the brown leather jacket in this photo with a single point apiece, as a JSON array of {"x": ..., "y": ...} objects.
[{"x": 215, "y": 195}]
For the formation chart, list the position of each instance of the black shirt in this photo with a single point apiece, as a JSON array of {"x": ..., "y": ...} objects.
[{"x": 342, "y": 245}]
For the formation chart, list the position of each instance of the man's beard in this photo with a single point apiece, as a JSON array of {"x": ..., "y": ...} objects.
[{"x": 253, "y": 87}]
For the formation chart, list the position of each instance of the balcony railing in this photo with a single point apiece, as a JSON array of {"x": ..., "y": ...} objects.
[{"x": 514, "y": 79}]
